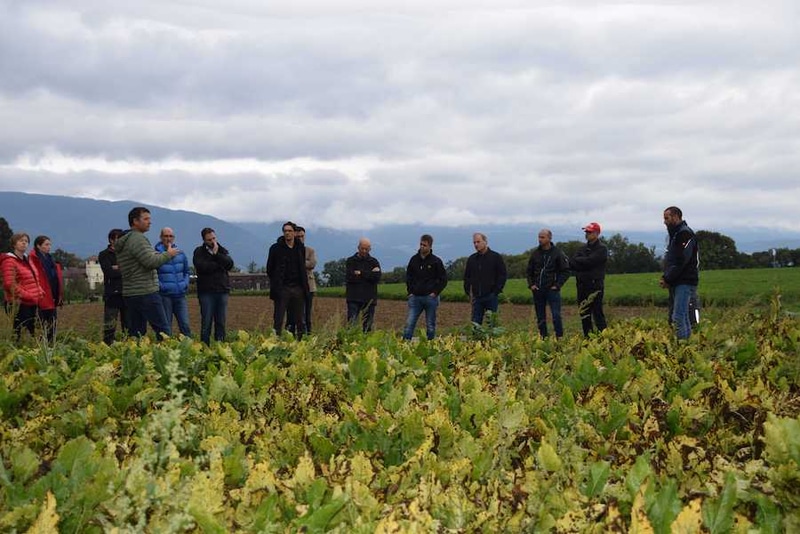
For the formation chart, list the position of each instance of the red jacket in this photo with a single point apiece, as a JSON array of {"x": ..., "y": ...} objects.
[
  {"x": 47, "y": 302},
  {"x": 20, "y": 282}
]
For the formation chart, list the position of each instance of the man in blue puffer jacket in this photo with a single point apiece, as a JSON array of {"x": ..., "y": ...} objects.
[{"x": 173, "y": 283}]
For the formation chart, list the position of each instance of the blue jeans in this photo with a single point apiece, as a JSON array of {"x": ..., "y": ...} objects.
[
  {"x": 365, "y": 310},
  {"x": 480, "y": 305},
  {"x": 680, "y": 310},
  {"x": 416, "y": 304},
  {"x": 177, "y": 305},
  {"x": 541, "y": 299},
  {"x": 143, "y": 309},
  {"x": 213, "y": 308}
]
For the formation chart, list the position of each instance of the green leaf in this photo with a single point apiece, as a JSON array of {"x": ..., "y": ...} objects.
[
  {"x": 319, "y": 519},
  {"x": 548, "y": 458},
  {"x": 664, "y": 508},
  {"x": 718, "y": 513},
  {"x": 596, "y": 482}
]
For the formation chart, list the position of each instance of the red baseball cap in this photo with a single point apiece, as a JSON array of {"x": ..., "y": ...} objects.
[{"x": 592, "y": 227}]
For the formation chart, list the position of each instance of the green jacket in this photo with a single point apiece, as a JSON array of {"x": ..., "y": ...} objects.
[{"x": 138, "y": 263}]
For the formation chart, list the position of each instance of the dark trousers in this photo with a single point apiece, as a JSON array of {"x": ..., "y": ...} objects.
[
  {"x": 291, "y": 322},
  {"x": 590, "y": 306},
  {"x": 364, "y": 310},
  {"x": 113, "y": 307},
  {"x": 541, "y": 299},
  {"x": 292, "y": 299},
  {"x": 143, "y": 309},
  {"x": 48, "y": 319},
  {"x": 25, "y": 317},
  {"x": 482, "y": 304},
  {"x": 213, "y": 309}
]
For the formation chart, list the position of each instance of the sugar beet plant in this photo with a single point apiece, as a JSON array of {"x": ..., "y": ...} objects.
[{"x": 626, "y": 431}]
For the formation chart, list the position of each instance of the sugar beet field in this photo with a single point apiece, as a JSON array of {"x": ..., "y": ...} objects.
[{"x": 485, "y": 430}]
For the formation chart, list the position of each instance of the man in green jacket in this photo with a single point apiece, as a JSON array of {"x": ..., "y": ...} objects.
[{"x": 138, "y": 263}]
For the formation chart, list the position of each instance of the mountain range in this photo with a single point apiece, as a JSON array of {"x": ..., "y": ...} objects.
[{"x": 81, "y": 225}]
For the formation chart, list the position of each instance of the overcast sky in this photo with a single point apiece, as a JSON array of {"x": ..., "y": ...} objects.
[{"x": 358, "y": 113}]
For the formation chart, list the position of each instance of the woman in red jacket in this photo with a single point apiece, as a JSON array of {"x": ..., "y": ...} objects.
[
  {"x": 51, "y": 279},
  {"x": 20, "y": 285}
]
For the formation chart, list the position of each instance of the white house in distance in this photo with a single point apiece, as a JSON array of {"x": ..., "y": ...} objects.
[{"x": 94, "y": 274}]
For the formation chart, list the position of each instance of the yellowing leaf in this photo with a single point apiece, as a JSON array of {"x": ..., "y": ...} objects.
[
  {"x": 640, "y": 524},
  {"x": 47, "y": 522},
  {"x": 548, "y": 458},
  {"x": 690, "y": 519}
]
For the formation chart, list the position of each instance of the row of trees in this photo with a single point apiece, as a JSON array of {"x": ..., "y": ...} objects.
[{"x": 717, "y": 251}]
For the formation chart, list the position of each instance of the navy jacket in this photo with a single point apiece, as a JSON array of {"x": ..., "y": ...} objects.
[{"x": 682, "y": 260}]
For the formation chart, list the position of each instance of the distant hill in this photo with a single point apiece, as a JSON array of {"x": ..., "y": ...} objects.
[{"x": 80, "y": 226}]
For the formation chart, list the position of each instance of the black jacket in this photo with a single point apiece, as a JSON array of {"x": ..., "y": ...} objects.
[
  {"x": 682, "y": 260},
  {"x": 547, "y": 268},
  {"x": 362, "y": 287},
  {"x": 212, "y": 270},
  {"x": 112, "y": 278},
  {"x": 281, "y": 261},
  {"x": 485, "y": 274},
  {"x": 589, "y": 264},
  {"x": 425, "y": 275}
]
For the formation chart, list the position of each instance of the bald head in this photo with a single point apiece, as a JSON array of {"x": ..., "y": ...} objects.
[{"x": 364, "y": 246}]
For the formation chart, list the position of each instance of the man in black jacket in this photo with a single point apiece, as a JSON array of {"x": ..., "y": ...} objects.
[
  {"x": 113, "y": 303},
  {"x": 484, "y": 278},
  {"x": 288, "y": 282},
  {"x": 589, "y": 264},
  {"x": 363, "y": 274},
  {"x": 548, "y": 270},
  {"x": 426, "y": 278},
  {"x": 211, "y": 265},
  {"x": 681, "y": 269}
]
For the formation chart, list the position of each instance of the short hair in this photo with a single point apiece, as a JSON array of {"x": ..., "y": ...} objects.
[
  {"x": 674, "y": 210},
  {"x": 17, "y": 237},
  {"x": 205, "y": 231},
  {"x": 483, "y": 236},
  {"x": 115, "y": 233},
  {"x": 427, "y": 238},
  {"x": 290, "y": 223},
  {"x": 135, "y": 213},
  {"x": 548, "y": 231}
]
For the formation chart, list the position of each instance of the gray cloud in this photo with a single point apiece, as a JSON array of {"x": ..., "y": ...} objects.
[{"x": 447, "y": 112}]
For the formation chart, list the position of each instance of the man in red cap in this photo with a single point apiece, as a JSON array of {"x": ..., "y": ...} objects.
[{"x": 589, "y": 264}]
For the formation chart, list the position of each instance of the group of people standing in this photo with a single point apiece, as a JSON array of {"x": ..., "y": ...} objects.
[
  {"x": 33, "y": 285},
  {"x": 145, "y": 284}
]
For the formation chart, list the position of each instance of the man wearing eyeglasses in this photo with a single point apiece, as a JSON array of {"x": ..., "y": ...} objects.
[
  {"x": 589, "y": 264},
  {"x": 173, "y": 283}
]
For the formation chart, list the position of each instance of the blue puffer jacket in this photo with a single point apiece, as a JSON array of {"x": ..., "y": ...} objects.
[{"x": 173, "y": 276}]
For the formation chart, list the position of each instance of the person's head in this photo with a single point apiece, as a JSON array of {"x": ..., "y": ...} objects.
[
  {"x": 480, "y": 242},
  {"x": 139, "y": 219},
  {"x": 592, "y": 231},
  {"x": 545, "y": 238},
  {"x": 42, "y": 243},
  {"x": 209, "y": 237},
  {"x": 114, "y": 234},
  {"x": 672, "y": 216},
  {"x": 364, "y": 247},
  {"x": 20, "y": 242},
  {"x": 288, "y": 230},
  {"x": 167, "y": 237},
  {"x": 425, "y": 244},
  {"x": 300, "y": 234}
]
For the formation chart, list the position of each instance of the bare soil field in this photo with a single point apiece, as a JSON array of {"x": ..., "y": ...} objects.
[{"x": 255, "y": 314}]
